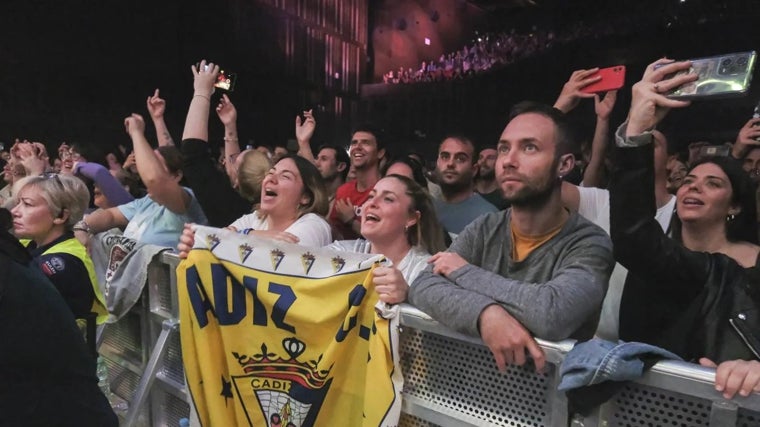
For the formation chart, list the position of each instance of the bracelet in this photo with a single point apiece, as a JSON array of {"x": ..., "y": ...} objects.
[{"x": 202, "y": 96}]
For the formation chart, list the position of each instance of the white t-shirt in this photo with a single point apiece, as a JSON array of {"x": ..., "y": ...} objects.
[
  {"x": 594, "y": 205},
  {"x": 311, "y": 229},
  {"x": 414, "y": 261}
]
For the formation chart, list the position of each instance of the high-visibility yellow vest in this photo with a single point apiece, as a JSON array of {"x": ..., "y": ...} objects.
[{"x": 74, "y": 247}]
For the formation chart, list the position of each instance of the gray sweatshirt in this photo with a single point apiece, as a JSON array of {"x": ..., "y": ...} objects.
[{"x": 556, "y": 292}]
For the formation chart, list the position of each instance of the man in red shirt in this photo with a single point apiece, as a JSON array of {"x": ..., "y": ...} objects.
[{"x": 367, "y": 149}]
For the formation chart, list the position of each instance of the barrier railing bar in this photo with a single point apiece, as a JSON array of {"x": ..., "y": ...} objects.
[
  {"x": 437, "y": 414},
  {"x": 149, "y": 375},
  {"x": 723, "y": 414}
]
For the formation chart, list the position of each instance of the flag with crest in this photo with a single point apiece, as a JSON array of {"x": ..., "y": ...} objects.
[{"x": 280, "y": 335}]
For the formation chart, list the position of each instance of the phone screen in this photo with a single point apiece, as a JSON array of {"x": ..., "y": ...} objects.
[{"x": 225, "y": 81}]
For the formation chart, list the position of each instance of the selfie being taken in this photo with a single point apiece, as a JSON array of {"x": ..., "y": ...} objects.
[{"x": 380, "y": 213}]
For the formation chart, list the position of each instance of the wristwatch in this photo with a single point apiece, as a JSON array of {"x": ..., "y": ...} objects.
[{"x": 82, "y": 226}]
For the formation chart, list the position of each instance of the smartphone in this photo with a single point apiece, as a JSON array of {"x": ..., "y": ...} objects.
[
  {"x": 613, "y": 78},
  {"x": 714, "y": 150},
  {"x": 225, "y": 81},
  {"x": 722, "y": 76}
]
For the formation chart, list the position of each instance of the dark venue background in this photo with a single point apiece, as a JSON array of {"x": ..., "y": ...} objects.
[{"x": 72, "y": 70}]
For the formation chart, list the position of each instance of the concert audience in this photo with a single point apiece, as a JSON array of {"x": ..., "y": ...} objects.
[
  {"x": 398, "y": 220},
  {"x": 47, "y": 209},
  {"x": 534, "y": 269},
  {"x": 456, "y": 168},
  {"x": 697, "y": 293},
  {"x": 214, "y": 190},
  {"x": 367, "y": 150},
  {"x": 159, "y": 217},
  {"x": 292, "y": 209}
]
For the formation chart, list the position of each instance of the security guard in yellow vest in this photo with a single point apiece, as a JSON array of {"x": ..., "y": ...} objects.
[
  {"x": 48, "y": 206},
  {"x": 66, "y": 263}
]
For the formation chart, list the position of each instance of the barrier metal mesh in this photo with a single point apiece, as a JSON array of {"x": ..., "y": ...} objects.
[
  {"x": 159, "y": 283},
  {"x": 125, "y": 338},
  {"x": 636, "y": 405},
  {"x": 407, "y": 420},
  {"x": 462, "y": 377},
  {"x": 169, "y": 409}
]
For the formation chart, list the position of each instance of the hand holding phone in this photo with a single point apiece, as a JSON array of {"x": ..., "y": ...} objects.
[
  {"x": 611, "y": 78},
  {"x": 720, "y": 76}
]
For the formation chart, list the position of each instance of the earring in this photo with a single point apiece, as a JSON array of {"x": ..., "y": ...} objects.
[
  {"x": 730, "y": 217},
  {"x": 406, "y": 229}
]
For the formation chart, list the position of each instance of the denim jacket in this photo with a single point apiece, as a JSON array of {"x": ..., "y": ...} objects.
[{"x": 595, "y": 361}]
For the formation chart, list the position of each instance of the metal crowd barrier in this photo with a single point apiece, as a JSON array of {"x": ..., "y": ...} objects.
[{"x": 450, "y": 379}]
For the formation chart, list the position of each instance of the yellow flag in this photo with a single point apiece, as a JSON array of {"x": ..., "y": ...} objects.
[{"x": 280, "y": 335}]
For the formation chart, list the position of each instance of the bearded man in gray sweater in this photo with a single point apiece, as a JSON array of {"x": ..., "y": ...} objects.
[{"x": 534, "y": 269}]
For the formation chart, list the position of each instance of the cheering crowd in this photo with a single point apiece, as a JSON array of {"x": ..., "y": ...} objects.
[{"x": 649, "y": 247}]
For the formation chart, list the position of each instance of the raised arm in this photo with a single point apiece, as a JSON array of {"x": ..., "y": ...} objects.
[
  {"x": 221, "y": 203},
  {"x": 571, "y": 93},
  {"x": 304, "y": 132},
  {"x": 110, "y": 186},
  {"x": 156, "y": 108},
  {"x": 196, "y": 123},
  {"x": 31, "y": 156},
  {"x": 162, "y": 185},
  {"x": 592, "y": 176},
  {"x": 640, "y": 243},
  {"x": 228, "y": 116},
  {"x": 748, "y": 138}
]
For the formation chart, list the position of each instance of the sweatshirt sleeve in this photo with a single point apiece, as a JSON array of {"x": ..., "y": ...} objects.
[
  {"x": 560, "y": 307},
  {"x": 444, "y": 300},
  {"x": 110, "y": 186}
]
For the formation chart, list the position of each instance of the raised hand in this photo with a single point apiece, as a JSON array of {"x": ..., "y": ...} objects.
[
  {"x": 603, "y": 106},
  {"x": 134, "y": 124},
  {"x": 571, "y": 93},
  {"x": 204, "y": 77},
  {"x": 305, "y": 128},
  {"x": 226, "y": 111},
  {"x": 156, "y": 106},
  {"x": 649, "y": 105},
  {"x": 748, "y": 137}
]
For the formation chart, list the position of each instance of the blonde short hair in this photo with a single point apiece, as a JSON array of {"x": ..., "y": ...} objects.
[
  {"x": 59, "y": 192},
  {"x": 251, "y": 172}
]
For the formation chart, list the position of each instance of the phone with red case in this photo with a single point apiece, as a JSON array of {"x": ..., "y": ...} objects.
[{"x": 613, "y": 78}]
